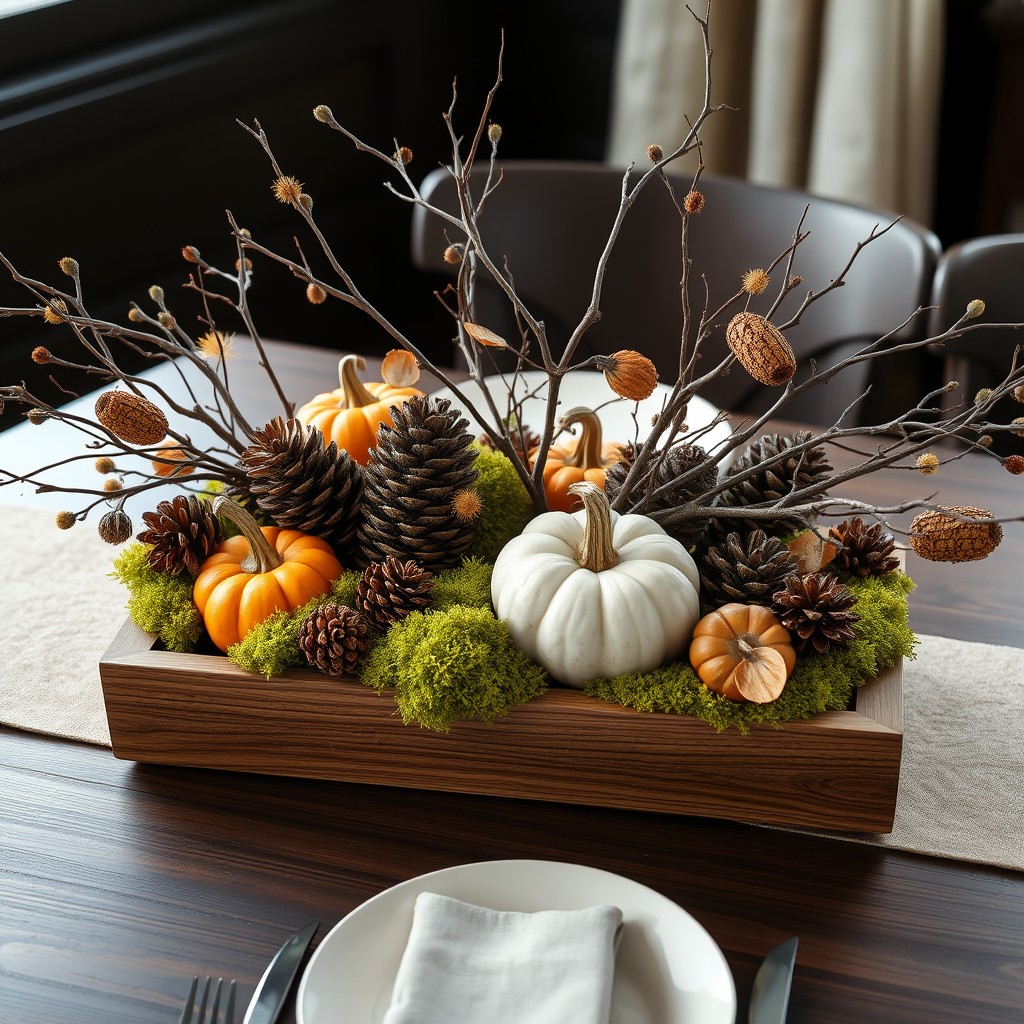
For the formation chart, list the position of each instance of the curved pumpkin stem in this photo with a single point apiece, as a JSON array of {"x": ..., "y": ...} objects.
[
  {"x": 262, "y": 555},
  {"x": 596, "y": 553},
  {"x": 354, "y": 393},
  {"x": 588, "y": 452}
]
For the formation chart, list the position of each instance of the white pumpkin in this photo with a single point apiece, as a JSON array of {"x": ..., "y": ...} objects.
[{"x": 592, "y": 594}]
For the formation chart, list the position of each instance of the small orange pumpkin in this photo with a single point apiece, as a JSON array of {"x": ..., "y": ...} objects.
[
  {"x": 743, "y": 652},
  {"x": 351, "y": 413},
  {"x": 587, "y": 459},
  {"x": 260, "y": 571}
]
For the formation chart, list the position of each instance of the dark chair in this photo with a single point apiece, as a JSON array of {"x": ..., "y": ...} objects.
[
  {"x": 551, "y": 221},
  {"x": 989, "y": 268}
]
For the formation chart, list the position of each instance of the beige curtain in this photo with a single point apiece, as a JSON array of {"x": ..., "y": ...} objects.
[{"x": 838, "y": 97}]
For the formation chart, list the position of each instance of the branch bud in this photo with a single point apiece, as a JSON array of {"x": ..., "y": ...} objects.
[
  {"x": 69, "y": 266},
  {"x": 654, "y": 152},
  {"x": 322, "y": 113},
  {"x": 975, "y": 308}
]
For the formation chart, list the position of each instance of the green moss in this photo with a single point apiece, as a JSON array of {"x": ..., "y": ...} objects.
[
  {"x": 468, "y": 584},
  {"x": 818, "y": 683},
  {"x": 272, "y": 646},
  {"x": 505, "y": 504},
  {"x": 447, "y": 666},
  {"x": 343, "y": 589},
  {"x": 157, "y": 602}
]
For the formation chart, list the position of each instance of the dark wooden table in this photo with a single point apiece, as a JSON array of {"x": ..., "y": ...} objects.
[{"x": 119, "y": 881}]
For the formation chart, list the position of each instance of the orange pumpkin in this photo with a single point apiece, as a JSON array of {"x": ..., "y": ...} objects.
[
  {"x": 350, "y": 414},
  {"x": 743, "y": 652},
  {"x": 260, "y": 571},
  {"x": 588, "y": 459}
]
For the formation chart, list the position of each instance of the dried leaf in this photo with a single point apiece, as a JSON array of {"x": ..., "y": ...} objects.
[
  {"x": 483, "y": 336},
  {"x": 811, "y": 551},
  {"x": 400, "y": 369}
]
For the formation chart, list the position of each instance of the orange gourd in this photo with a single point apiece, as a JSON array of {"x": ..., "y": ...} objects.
[
  {"x": 743, "y": 652},
  {"x": 260, "y": 571},
  {"x": 351, "y": 413},
  {"x": 588, "y": 460}
]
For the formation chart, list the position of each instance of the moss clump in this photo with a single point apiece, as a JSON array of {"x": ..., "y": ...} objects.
[
  {"x": 272, "y": 646},
  {"x": 468, "y": 584},
  {"x": 820, "y": 682},
  {"x": 158, "y": 602},
  {"x": 506, "y": 506},
  {"x": 447, "y": 666},
  {"x": 343, "y": 589}
]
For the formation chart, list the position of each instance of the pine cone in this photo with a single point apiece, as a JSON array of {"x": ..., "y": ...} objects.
[
  {"x": 746, "y": 568},
  {"x": 303, "y": 485},
  {"x": 183, "y": 533},
  {"x": 390, "y": 590},
  {"x": 419, "y": 465},
  {"x": 864, "y": 550},
  {"x": 333, "y": 637},
  {"x": 780, "y": 473},
  {"x": 524, "y": 439},
  {"x": 660, "y": 507},
  {"x": 816, "y": 609}
]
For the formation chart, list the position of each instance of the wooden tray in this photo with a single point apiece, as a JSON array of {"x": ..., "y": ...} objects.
[{"x": 838, "y": 770}]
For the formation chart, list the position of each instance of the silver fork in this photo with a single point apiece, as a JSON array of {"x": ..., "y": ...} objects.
[{"x": 206, "y": 1011}]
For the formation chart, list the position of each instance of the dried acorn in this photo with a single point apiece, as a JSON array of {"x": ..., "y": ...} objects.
[
  {"x": 760, "y": 349},
  {"x": 131, "y": 417},
  {"x": 940, "y": 537}
]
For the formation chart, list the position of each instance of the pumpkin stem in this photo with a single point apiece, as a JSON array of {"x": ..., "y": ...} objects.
[
  {"x": 596, "y": 553},
  {"x": 588, "y": 453},
  {"x": 354, "y": 393},
  {"x": 262, "y": 556}
]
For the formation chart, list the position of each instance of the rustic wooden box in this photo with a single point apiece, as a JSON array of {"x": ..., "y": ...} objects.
[{"x": 839, "y": 770}]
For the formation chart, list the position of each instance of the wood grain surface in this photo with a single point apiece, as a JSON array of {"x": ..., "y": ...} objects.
[{"x": 120, "y": 881}]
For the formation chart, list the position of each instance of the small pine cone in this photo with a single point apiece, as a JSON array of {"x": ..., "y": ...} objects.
[
  {"x": 115, "y": 527},
  {"x": 817, "y": 610},
  {"x": 390, "y": 590},
  {"x": 524, "y": 439},
  {"x": 745, "y": 568},
  {"x": 302, "y": 485},
  {"x": 863, "y": 550},
  {"x": 333, "y": 637},
  {"x": 131, "y": 417},
  {"x": 183, "y": 533}
]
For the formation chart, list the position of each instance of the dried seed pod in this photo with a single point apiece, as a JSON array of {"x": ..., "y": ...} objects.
[
  {"x": 761, "y": 349},
  {"x": 629, "y": 374},
  {"x": 115, "y": 527},
  {"x": 939, "y": 537},
  {"x": 131, "y": 417}
]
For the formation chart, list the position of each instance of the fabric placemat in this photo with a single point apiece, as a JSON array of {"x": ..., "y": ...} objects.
[{"x": 962, "y": 779}]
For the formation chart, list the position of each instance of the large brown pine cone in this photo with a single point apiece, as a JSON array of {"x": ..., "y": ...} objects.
[
  {"x": 745, "y": 568},
  {"x": 333, "y": 637},
  {"x": 183, "y": 533},
  {"x": 863, "y": 550},
  {"x": 390, "y": 590},
  {"x": 776, "y": 471},
  {"x": 420, "y": 464},
  {"x": 302, "y": 485},
  {"x": 817, "y": 610},
  {"x": 665, "y": 506}
]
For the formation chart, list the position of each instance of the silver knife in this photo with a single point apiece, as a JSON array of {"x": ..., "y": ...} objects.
[
  {"x": 276, "y": 983},
  {"x": 769, "y": 998}
]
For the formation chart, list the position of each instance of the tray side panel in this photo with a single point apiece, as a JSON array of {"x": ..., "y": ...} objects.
[{"x": 837, "y": 771}]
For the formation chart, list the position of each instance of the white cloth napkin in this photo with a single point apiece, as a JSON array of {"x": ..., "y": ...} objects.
[{"x": 465, "y": 964}]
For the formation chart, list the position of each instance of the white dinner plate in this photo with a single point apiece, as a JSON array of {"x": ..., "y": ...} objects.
[
  {"x": 668, "y": 970},
  {"x": 590, "y": 389}
]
